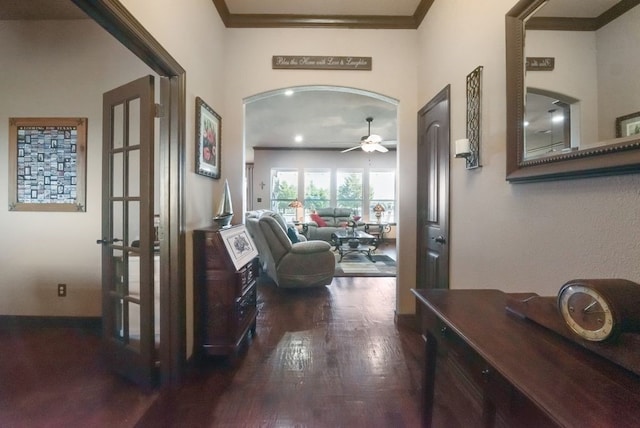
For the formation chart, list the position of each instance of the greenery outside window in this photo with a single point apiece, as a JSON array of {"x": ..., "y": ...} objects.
[
  {"x": 382, "y": 190},
  {"x": 349, "y": 190},
  {"x": 317, "y": 189},
  {"x": 284, "y": 190}
]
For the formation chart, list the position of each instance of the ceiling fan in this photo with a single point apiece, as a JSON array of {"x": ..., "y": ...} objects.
[{"x": 370, "y": 142}]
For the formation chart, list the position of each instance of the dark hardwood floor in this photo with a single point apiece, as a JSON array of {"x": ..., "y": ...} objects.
[{"x": 326, "y": 357}]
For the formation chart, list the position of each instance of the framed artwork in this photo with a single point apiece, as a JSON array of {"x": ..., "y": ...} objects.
[
  {"x": 239, "y": 245},
  {"x": 47, "y": 164},
  {"x": 208, "y": 140},
  {"x": 628, "y": 125}
]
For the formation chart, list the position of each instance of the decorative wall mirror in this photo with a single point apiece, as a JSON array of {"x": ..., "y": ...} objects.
[{"x": 566, "y": 104}]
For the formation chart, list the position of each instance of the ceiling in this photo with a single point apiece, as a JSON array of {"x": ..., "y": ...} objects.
[{"x": 325, "y": 117}]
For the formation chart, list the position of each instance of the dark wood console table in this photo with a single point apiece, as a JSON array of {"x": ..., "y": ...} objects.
[{"x": 487, "y": 367}]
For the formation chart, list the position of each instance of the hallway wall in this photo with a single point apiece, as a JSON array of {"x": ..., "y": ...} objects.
[
  {"x": 56, "y": 69},
  {"x": 517, "y": 237}
]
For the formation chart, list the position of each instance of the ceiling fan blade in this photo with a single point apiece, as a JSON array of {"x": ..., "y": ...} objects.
[
  {"x": 380, "y": 148},
  {"x": 348, "y": 150}
]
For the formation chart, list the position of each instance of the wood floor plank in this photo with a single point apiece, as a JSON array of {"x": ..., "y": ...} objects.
[{"x": 326, "y": 357}]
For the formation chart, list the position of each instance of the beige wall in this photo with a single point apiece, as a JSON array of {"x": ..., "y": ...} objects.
[
  {"x": 49, "y": 69},
  {"x": 618, "y": 84},
  {"x": 524, "y": 237}
]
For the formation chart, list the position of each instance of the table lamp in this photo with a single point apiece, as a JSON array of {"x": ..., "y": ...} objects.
[
  {"x": 297, "y": 205},
  {"x": 378, "y": 209}
]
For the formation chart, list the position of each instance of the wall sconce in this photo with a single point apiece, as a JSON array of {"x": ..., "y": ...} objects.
[
  {"x": 463, "y": 148},
  {"x": 378, "y": 210},
  {"x": 469, "y": 148},
  {"x": 297, "y": 205}
]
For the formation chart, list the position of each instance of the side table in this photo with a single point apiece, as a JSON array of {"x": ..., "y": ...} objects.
[{"x": 378, "y": 230}]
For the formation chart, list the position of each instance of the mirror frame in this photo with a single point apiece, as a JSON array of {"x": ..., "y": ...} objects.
[{"x": 609, "y": 159}]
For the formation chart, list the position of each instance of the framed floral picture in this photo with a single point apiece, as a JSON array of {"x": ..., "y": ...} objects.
[{"x": 208, "y": 140}]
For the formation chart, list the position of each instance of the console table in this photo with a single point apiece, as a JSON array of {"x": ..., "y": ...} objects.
[{"x": 486, "y": 367}]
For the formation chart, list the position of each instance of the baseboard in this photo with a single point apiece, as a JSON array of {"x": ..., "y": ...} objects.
[
  {"x": 24, "y": 321},
  {"x": 407, "y": 320}
]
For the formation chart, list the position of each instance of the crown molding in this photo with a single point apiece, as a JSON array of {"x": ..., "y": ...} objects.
[{"x": 412, "y": 22}]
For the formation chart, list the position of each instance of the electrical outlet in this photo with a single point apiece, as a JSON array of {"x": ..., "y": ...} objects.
[{"x": 62, "y": 290}]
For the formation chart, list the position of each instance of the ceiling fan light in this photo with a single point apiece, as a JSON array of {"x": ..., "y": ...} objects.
[
  {"x": 373, "y": 138},
  {"x": 368, "y": 148}
]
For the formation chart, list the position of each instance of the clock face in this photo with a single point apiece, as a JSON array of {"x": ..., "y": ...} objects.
[{"x": 586, "y": 312}]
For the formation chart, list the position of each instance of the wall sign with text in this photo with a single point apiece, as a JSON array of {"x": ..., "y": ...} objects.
[
  {"x": 306, "y": 62},
  {"x": 534, "y": 63}
]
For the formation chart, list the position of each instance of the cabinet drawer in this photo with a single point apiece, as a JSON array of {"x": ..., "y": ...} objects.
[
  {"x": 246, "y": 277},
  {"x": 245, "y": 306},
  {"x": 474, "y": 366}
]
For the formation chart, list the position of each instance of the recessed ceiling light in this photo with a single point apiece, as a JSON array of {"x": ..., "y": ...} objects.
[
  {"x": 298, "y": 138},
  {"x": 288, "y": 92}
]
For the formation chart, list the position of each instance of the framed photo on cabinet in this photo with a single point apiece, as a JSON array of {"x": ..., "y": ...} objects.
[
  {"x": 208, "y": 140},
  {"x": 239, "y": 245},
  {"x": 47, "y": 164}
]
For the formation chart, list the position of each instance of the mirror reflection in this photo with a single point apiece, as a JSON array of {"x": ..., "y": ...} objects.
[{"x": 579, "y": 101}]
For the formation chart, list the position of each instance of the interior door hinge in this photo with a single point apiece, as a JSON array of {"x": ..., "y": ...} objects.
[{"x": 159, "y": 111}]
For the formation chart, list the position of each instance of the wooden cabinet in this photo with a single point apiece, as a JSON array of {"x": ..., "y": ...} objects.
[
  {"x": 485, "y": 367},
  {"x": 224, "y": 297}
]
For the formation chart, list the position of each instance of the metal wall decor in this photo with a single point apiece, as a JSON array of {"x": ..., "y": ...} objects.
[
  {"x": 47, "y": 164},
  {"x": 474, "y": 107}
]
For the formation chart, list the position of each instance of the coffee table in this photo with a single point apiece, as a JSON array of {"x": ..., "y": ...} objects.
[{"x": 347, "y": 241}]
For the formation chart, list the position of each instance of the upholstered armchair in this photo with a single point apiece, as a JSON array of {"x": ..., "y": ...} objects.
[{"x": 290, "y": 265}]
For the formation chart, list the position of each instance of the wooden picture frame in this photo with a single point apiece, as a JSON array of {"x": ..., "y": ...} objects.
[
  {"x": 628, "y": 125},
  {"x": 47, "y": 164},
  {"x": 208, "y": 140}
]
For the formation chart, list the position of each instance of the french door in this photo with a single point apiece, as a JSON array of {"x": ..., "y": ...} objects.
[{"x": 129, "y": 331}]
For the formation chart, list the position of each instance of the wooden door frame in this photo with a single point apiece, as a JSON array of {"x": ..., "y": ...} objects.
[{"x": 115, "y": 19}]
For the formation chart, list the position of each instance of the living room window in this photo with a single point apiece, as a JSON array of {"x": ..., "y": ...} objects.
[
  {"x": 359, "y": 189},
  {"x": 284, "y": 190},
  {"x": 317, "y": 189},
  {"x": 382, "y": 190},
  {"x": 349, "y": 188}
]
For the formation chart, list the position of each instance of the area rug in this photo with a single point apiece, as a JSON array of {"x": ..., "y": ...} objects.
[{"x": 360, "y": 265}]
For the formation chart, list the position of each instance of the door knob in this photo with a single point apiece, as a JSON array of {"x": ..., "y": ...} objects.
[
  {"x": 106, "y": 241},
  {"x": 440, "y": 239}
]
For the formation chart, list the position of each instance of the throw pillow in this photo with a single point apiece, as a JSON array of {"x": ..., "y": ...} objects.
[
  {"x": 318, "y": 220},
  {"x": 293, "y": 235}
]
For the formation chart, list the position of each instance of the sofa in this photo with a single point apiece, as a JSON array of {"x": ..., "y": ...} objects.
[
  {"x": 289, "y": 264},
  {"x": 333, "y": 218}
]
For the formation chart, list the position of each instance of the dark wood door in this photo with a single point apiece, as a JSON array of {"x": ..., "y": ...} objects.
[
  {"x": 127, "y": 231},
  {"x": 433, "y": 193}
]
